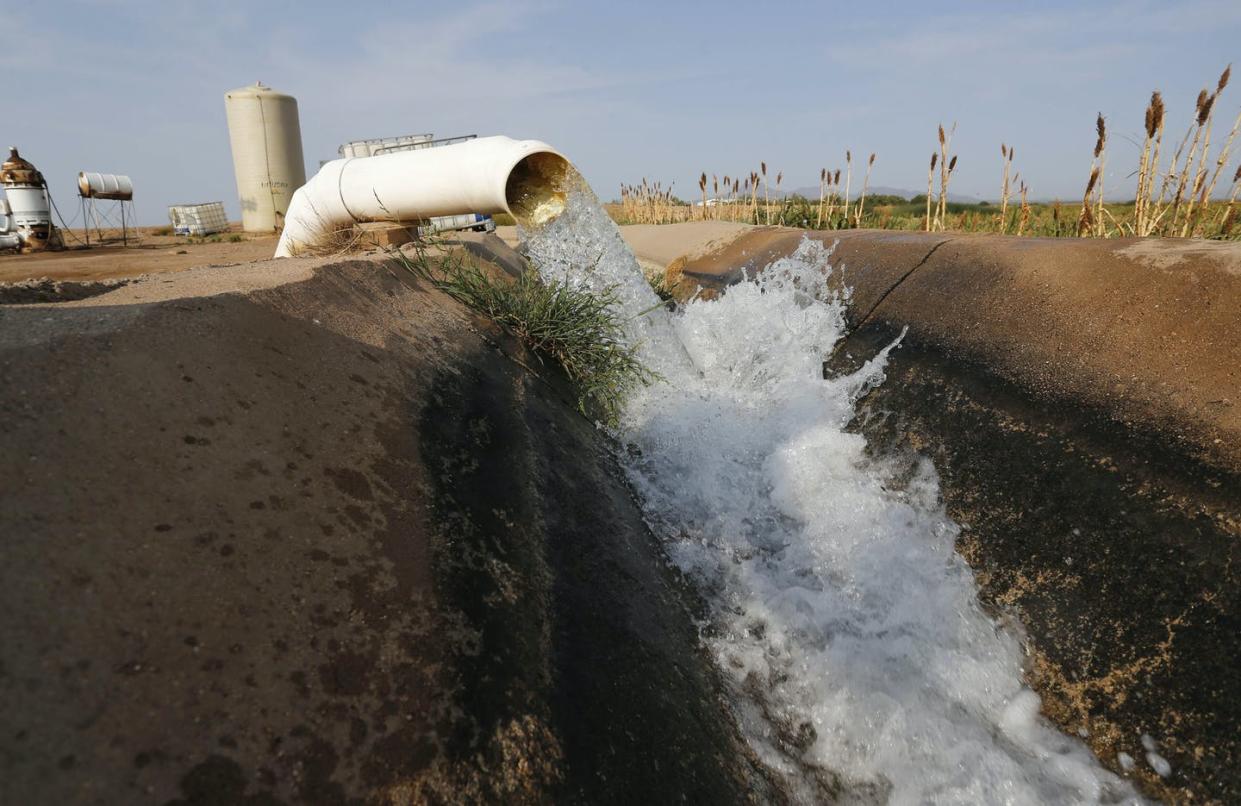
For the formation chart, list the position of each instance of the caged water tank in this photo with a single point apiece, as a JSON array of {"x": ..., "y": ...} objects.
[
  {"x": 266, "y": 139},
  {"x": 377, "y": 145}
]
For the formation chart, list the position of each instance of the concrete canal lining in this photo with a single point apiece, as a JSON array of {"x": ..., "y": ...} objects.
[
  {"x": 1081, "y": 401},
  {"x": 254, "y": 541},
  {"x": 310, "y": 531}
]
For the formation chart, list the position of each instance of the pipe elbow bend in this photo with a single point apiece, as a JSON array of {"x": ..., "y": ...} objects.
[{"x": 526, "y": 178}]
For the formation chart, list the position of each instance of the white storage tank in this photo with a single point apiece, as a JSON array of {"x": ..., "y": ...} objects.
[
  {"x": 267, "y": 154},
  {"x": 92, "y": 185}
]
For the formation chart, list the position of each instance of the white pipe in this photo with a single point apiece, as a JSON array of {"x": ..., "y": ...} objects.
[{"x": 525, "y": 178}]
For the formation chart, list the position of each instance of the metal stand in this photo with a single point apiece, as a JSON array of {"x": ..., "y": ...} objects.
[{"x": 91, "y": 215}]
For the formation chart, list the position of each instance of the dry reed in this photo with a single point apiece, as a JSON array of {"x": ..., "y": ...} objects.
[
  {"x": 1148, "y": 164},
  {"x": 1090, "y": 219},
  {"x": 833, "y": 195},
  {"x": 822, "y": 188},
  {"x": 1006, "y": 158},
  {"x": 1225, "y": 226},
  {"x": 848, "y": 181},
  {"x": 1085, "y": 219},
  {"x": 946, "y": 166},
  {"x": 779, "y": 179},
  {"x": 1024, "y": 221},
  {"x": 861, "y": 204},
  {"x": 1203, "y": 188},
  {"x": 766, "y": 194},
  {"x": 1100, "y": 152}
]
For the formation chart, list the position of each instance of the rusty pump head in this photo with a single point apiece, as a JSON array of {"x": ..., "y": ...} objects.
[{"x": 27, "y": 209}]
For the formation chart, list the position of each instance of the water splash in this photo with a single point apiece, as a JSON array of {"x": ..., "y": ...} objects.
[
  {"x": 861, "y": 664},
  {"x": 584, "y": 248}
]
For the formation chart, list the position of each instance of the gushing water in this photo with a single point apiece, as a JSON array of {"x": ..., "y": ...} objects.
[
  {"x": 584, "y": 248},
  {"x": 861, "y": 664}
]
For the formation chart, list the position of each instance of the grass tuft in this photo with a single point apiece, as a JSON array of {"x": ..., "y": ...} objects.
[{"x": 575, "y": 328}]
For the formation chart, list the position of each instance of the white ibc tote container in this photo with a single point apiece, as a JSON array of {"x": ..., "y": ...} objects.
[{"x": 266, "y": 140}]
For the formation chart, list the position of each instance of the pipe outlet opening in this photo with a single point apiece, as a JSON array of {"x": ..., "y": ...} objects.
[{"x": 537, "y": 188}]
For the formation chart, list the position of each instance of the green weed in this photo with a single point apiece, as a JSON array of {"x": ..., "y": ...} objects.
[{"x": 574, "y": 328}]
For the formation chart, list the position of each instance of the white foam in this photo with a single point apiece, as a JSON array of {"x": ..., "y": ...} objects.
[
  {"x": 1158, "y": 763},
  {"x": 845, "y": 623}
]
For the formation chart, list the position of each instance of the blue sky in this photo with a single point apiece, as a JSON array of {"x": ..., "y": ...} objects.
[{"x": 662, "y": 90}]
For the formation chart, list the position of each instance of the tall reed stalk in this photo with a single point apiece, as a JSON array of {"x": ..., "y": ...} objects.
[
  {"x": 1085, "y": 219},
  {"x": 1148, "y": 165},
  {"x": 1202, "y": 114},
  {"x": 1220, "y": 162},
  {"x": 861, "y": 204},
  {"x": 848, "y": 181},
  {"x": 1200, "y": 193},
  {"x": 822, "y": 189},
  {"x": 1090, "y": 219},
  {"x": 1025, "y": 211},
  {"x": 766, "y": 194},
  {"x": 952, "y": 167},
  {"x": 946, "y": 166},
  {"x": 1101, "y": 155},
  {"x": 930, "y": 188},
  {"x": 779, "y": 179},
  {"x": 833, "y": 195},
  {"x": 1006, "y": 157},
  {"x": 754, "y": 196},
  {"x": 1225, "y": 225},
  {"x": 1168, "y": 183}
]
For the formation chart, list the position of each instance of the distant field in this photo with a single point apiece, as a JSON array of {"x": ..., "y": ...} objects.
[
  {"x": 887, "y": 212},
  {"x": 1185, "y": 188}
]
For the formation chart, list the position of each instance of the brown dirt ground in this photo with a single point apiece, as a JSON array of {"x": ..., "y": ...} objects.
[{"x": 150, "y": 254}]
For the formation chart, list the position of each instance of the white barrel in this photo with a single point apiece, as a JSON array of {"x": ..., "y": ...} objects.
[
  {"x": 104, "y": 186},
  {"x": 266, "y": 139}
]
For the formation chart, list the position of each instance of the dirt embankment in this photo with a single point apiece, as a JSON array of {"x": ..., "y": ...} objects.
[
  {"x": 1081, "y": 401},
  {"x": 321, "y": 540}
]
